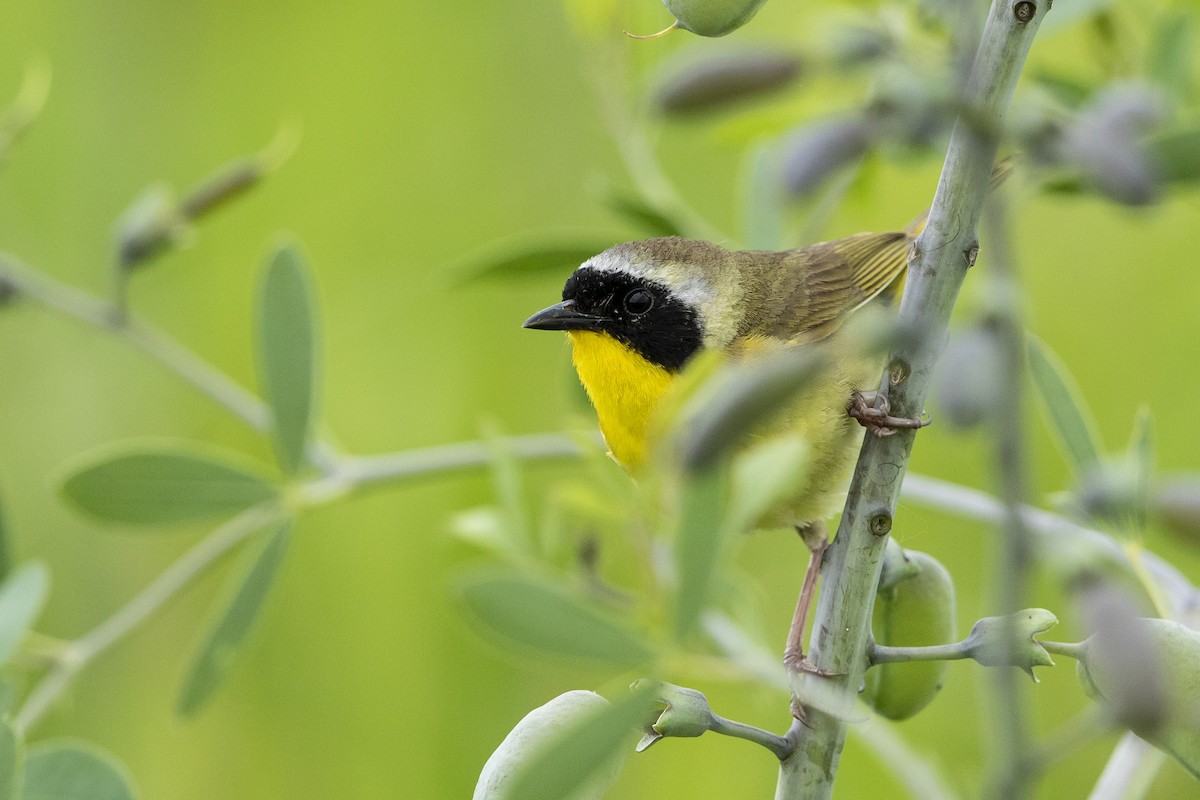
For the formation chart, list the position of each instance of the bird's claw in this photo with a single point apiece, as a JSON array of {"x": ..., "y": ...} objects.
[{"x": 872, "y": 411}]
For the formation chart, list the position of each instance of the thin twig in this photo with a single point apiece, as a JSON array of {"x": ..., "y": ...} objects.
[{"x": 78, "y": 654}]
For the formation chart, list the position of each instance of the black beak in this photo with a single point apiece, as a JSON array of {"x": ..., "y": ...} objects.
[{"x": 563, "y": 317}]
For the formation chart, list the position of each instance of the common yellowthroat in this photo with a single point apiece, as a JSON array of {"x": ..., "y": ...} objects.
[{"x": 637, "y": 313}]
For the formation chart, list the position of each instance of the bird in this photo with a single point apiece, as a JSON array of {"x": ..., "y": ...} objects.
[{"x": 638, "y": 313}]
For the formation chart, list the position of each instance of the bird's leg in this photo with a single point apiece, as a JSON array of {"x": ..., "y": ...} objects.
[
  {"x": 872, "y": 411},
  {"x": 816, "y": 539}
]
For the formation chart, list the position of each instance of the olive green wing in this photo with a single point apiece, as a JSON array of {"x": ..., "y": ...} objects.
[{"x": 805, "y": 294}]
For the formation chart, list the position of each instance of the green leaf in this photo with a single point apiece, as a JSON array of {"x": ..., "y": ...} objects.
[
  {"x": 288, "y": 352},
  {"x": 10, "y": 762},
  {"x": 641, "y": 212},
  {"x": 583, "y": 749},
  {"x": 531, "y": 613},
  {"x": 765, "y": 475},
  {"x": 158, "y": 484},
  {"x": 248, "y": 596},
  {"x": 1069, "y": 14},
  {"x": 1068, "y": 415},
  {"x": 1170, "y": 54},
  {"x": 747, "y": 394},
  {"x": 505, "y": 471},
  {"x": 1140, "y": 456},
  {"x": 21, "y": 598},
  {"x": 531, "y": 257},
  {"x": 764, "y": 216},
  {"x": 700, "y": 542},
  {"x": 1176, "y": 155},
  {"x": 66, "y": 769}
]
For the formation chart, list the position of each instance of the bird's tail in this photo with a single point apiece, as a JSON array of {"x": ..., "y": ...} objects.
[{"x": 895, "y": 289}]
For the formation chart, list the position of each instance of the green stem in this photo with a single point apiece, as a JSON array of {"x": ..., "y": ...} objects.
[
  {"x": 351, "y": 475},
  {"x": 152, "y": 341},
  {"x": 1009, "y": 779},
  {"x": 1050, "y": 529},
  {"x": 883, "y": 654},
  {"x": 358, "y": 473},
  {"x": 940, "y": 260},
  {"x": 76, "y": 655},
  {"x": 1075, "y": 650},
  {"x": 1130, "y": 770},
  {"x": 781, "y": 746}
]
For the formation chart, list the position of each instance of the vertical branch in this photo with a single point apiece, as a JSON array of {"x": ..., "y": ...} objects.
[
  {"x": 937, "y": 267},
  {"x": 1010, "y": 778}
]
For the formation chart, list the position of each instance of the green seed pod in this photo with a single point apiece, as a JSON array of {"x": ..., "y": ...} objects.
[
  {"x": 712, "y": 17},
  {"x": 916, "y": 611},
  {"x": 1108, "y": 670},
  {"x": 532, "y": 734}
]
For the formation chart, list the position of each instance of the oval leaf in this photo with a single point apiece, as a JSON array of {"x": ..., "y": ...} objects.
[
  {"x": 249, "y": 593},
  {"x": 700, "y": 542},
  {"x": 63, "y": 769},
  {"x": 534, "y": 614},
  {"x": 531, "y": 257},
  {"x": 582, "y": 750},
  {"x": 21, "y": 597},
  {"x": 164, "y": 484},
  {"x": 1065, "y": 409},
  {"x": 287, "y": 352},
  {"x": 10, "y": 757}
]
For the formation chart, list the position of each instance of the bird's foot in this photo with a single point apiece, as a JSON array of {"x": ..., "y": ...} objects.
[{"x": 872, "y": 411}]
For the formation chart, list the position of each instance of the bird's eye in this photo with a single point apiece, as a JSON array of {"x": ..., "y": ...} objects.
[{"x": 638, "y": 302}]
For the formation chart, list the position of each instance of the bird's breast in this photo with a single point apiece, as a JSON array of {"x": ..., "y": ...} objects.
[{"x": 625, "y": 389}]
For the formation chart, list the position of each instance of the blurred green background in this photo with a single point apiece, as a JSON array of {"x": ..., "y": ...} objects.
[{"x": 429, "y": 130}]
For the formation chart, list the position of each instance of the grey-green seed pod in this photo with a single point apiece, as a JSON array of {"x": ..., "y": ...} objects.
[
  {"x": 712, "y": 17},
  {"x": 915, "y": 611},
  {"x": 1112, "y": 666},
  {"x": 532, "y": 734}
]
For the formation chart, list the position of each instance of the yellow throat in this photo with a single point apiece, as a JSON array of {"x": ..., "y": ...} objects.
[{"x": 625, "y": 388}]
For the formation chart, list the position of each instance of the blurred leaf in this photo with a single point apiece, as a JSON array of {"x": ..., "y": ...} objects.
[
  {"x": 5, "y": 550},
  {"x": 213, "y": 661},
  {"x": 505, "y": 471},
  {"x": 22, "y": 596},
  {"x": 532, "y": 613},
  {"x": 149, "y": 226},
  {"x": 1170, "y": 54},
  {"x": 641, "y": 212},
  {"x": 1177, "y": 154},
  {"x": 1140, "y": 456},
  {"x": 718, "y": 81},
  {"x": 530, "y": 257},
  {"x": 1065, "y": 409},
  {"x": 160, "y": 484},
  {"x": 763, "y": 476},
  {"x": 287, "y": 320},
  {"x": 700, "y": 541},
  {"x": 1070, "y": 14},
  {"x": 483, "y": 527},
  {"x": 10, "y": 762},
  {"x": 749, "y": 394},
  {"x": 67, "y": 769},
  {"x": 1177, "y": 506},
  {"x": 764, "y": 215},
  {"x": 1071, "y": 92},
  {"x": 25, "y": 108},
  {"x": 967, "y": 378},
  {"x": 813, "y": 153},
  {"x": 583, "y": 749}
]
